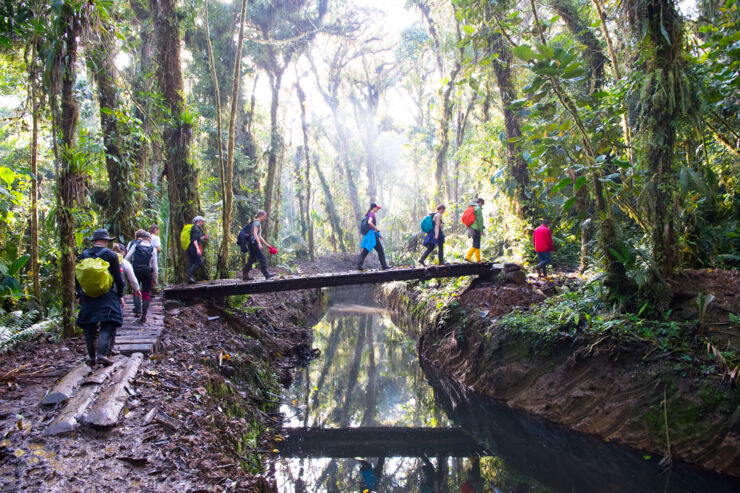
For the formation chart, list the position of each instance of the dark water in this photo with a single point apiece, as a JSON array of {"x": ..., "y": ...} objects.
[{"x": 368, "y": 398}]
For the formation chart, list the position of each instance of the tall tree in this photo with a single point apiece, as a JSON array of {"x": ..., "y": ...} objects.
[
  {"x": 182, "y": 175},
  {"x": 228, "y": 167},
  {"x": 660, "y": 98},
  {"x": 34, "y": 86},
  {"x": 69, "y": 177},
  {"x": 305, "y": 185},
  {"x": 121, "y": 202}
]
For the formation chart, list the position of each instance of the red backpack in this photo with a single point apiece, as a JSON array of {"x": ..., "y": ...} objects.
[{"x": 468, "y": 217}]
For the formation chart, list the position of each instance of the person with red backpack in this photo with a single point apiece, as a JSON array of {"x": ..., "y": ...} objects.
[
  {"x": 143, "y": 257},
  {"x": 473, "y": 219},
  {"x": 543, "y": 245},
  {"x": 435, "y": 236}
]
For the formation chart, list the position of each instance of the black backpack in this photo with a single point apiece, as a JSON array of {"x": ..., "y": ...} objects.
[
  {"x": 142, "y": 257},
  {"x": 364, "y": 226},
  {"x": 244, "y": 237}
]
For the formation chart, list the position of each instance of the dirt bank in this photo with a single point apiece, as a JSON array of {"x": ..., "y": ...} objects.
[
  {"x": 218, "y": 378},
  {"x": 610, "y": 384}
]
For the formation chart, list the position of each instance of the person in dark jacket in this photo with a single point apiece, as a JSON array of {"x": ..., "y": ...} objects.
[
  {"x": 195, "y": 249},
  {"x": 435, "y": 238},
  {"x": 104, "y": 313},
  {"x": 256, "y": 245},
  {"x": 371, "y": 239}
]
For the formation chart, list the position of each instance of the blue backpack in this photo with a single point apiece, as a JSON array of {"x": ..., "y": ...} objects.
[{"x": 427, "y": 224}]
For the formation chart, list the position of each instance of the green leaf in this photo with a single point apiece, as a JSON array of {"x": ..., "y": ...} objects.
[
  {"x": 569, "y": 203},
  {"x": 524, "y": 52},
  {"x": 665, "y": 33},
  {"x": 580, "y": 181},
  {"x": 545, "y": 51},
  {"x": 18, "y": 264},
  {"x": 561, "y": 184},
  {"x": 7, "y": 175},
  {"x": 574, "y": 73},
  {"x": 107, "y": 111},
  {"x": 468, "y": 30}
]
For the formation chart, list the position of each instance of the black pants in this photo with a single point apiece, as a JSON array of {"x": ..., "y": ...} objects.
[
  {"x": 255, "y": 254},
  {"x": 105, "y": 341},
  {"x": 475, "y": 235},
  {"x": 195, "y": 260},
  {"x": 430, "y": 249},
  {"x": 381, "y": 255}
]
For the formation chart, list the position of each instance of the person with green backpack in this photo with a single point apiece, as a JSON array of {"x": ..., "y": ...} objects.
[
  {"x": 99, "y": 287},
  {"x": 432, "y": 226},
  {"x": 194, "y": 246}
]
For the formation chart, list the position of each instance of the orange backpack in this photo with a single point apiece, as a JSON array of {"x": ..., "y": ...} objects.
[{"x": 468, "y": 216}]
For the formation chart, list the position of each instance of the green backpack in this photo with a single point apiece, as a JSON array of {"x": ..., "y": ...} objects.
[
  {"x": 94, "y": 277},
  {"x": 427, "y": 224},
  {"x": 185, "y": 236}
]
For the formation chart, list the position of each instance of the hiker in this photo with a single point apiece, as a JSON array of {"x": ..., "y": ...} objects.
[
  {"x": 435, "y": 237},
  {"x": 143, "y": 257},
  {"x": 154, "y": 233},
  {"x": 475, "y": 229},
  {"x": 103, "y": 312},
  {"x": 195, "y": 249},
  {"x": 542, "y": 239},
  {"x": 256, "y": 246},
  {"x": 371, "y": 238},
  {"x": 127, "y": 272}
]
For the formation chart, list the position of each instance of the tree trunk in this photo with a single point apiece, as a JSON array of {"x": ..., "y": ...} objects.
[
  {"x": 121, "y": 204},
  {"x": 143, "y": 154},
  {"x": 181, "y": 173},
  {"x": 306, "y": 194},
  {"x": 69, "y": 180},
  {"x": 223, "y": 258},
  {"x": 331, "y": 210},
  {"x": 33, "y": 92},
  {"x": 273, "y": 152},
  {"x": 660, "y": 97},
  {"x": 502, "y": 70}
]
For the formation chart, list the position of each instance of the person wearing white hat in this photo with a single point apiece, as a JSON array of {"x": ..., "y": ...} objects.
[{"x": 195, "y": 249}]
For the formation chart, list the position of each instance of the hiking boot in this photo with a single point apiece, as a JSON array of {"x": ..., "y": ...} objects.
[
  {"x": 422, "y": 263},
  {"x": 191, "y": 280},
  {"x": 105, "y": 361},
  {"x": 90, "y": 362},
  {"x": 268, "y": 276}
]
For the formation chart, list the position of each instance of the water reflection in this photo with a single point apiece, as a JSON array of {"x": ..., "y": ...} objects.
[{"x": 368, "y": 379}]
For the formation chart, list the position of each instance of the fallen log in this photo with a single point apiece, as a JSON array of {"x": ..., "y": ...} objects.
[
  {"x": 68, "y": 419},
  {"x": 66, "y": 387},
  {"x": 110, "y": 402},
  {"x": 516, "y": 277}
]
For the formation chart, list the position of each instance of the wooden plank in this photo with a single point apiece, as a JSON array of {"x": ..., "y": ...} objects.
[
  {"x": 68, "y": 419},
  {"x": 110, "y": 402},
  {"x": 220, "y": 290},
  {"x": 66, "y": 387},
  {"x": 378, "y": 441},
  {"x": 127, "y": 349}
]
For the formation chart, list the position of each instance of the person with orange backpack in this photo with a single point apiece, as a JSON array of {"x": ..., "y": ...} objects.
[{"x": 473, "y": 219}]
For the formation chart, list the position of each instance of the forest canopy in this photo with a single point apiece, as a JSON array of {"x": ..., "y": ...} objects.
[{"x": 616, "y": 121}]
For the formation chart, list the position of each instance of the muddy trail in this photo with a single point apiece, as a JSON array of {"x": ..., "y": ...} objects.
[{"x": 202, "y": 409}]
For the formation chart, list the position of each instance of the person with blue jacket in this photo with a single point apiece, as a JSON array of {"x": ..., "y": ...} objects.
[{"x": 371, "y": 239}]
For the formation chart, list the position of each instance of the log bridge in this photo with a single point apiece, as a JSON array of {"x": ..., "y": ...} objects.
[
  {"x": 229, "y": 287},
  {"x": 379, "y": 441}
]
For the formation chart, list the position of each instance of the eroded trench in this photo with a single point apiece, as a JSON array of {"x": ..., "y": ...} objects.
[{"x": 369, "y": 415}]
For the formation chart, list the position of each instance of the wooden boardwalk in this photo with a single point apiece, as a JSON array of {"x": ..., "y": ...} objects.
[
  {"x": 230, "y": 287},
  {"x": 96, "y": 396}
]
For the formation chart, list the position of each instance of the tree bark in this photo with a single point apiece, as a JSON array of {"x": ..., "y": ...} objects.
[
  {"x": 33, "y": 92},
  {"x": 223, "y": 258},
  {"x": 69, "y": 180},
  {"x": 331, "y": 210},
  {"x": 657, "y": 29},
  {"x": 121, "y": 204},
  {"x": 142, "y": 86},
  {"x": 308, "y": 224},
  {"x": 274, "y": 150},
  {"x": 181, "y": 172}
]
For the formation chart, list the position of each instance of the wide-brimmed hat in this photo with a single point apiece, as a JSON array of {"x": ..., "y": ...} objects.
[
  {"x": 101, "y": 234},
  {"x": 198, "y": 218}
]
